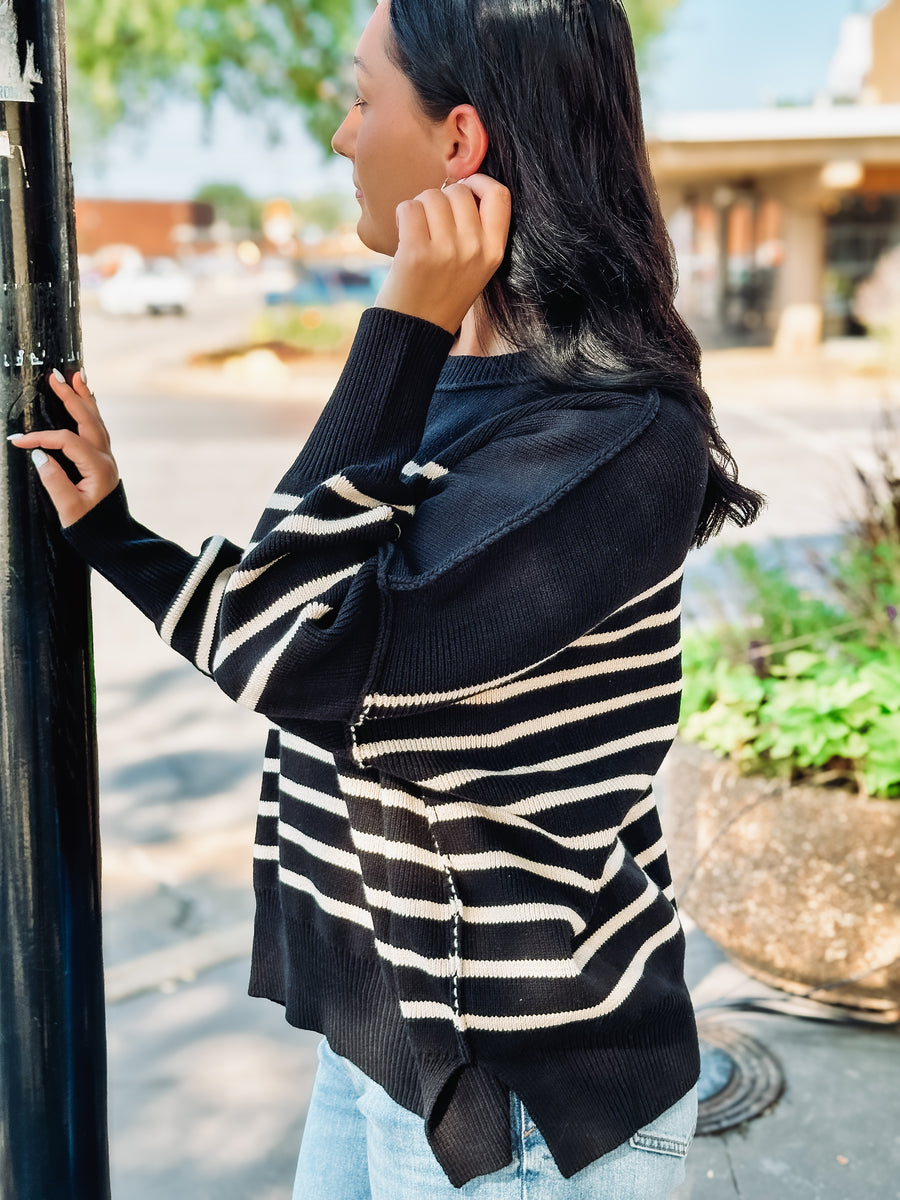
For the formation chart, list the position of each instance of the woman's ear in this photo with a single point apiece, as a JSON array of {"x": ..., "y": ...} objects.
[{"x": 468, "y": 142}]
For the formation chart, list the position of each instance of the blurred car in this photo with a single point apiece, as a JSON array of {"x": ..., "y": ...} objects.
[
  {"x": 159, "y": 285},
  {"x": 332, "y": 285}
]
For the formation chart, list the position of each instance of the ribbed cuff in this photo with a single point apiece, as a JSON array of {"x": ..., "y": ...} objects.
[
  {"x": 381, "y": 401},
  {"x": 103, "y": 527}
]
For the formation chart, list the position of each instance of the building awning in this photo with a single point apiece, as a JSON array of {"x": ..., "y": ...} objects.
[{"x": 712, "y": 145}]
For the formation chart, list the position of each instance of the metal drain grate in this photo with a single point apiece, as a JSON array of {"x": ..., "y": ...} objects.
[{"x": 739, "y": 1078}]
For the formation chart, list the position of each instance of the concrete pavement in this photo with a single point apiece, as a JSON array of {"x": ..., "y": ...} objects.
[{"x": 208, "y": 1088}]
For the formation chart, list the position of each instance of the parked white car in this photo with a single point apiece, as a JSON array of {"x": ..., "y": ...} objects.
[{"x": 157, "y": 286}]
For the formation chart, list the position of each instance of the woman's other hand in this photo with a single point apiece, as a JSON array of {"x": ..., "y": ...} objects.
[
  {"x": 88, "y": 450},
  {"x": 451, "y": 242}
]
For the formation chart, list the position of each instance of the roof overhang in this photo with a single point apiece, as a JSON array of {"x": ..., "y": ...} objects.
[{"x": 712, "y": 145}]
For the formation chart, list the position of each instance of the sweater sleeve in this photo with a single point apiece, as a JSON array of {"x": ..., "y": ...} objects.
[{"x": 353, "y": 602}]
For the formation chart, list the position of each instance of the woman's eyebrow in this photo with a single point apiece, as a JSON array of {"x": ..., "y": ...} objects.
[{"x": 358, "y": 62}]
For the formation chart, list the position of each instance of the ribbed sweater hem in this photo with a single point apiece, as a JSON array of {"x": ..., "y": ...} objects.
[{"x": 586, "y": 1098}]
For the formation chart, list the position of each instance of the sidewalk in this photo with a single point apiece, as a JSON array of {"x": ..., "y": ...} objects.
[{"x": 208, "y": 1088}]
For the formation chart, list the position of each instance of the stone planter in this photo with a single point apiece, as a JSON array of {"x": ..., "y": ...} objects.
[{"x": 800, "y": 886}]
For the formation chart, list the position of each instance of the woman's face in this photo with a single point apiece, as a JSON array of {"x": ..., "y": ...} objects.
[{"x": 395, "y": 150}]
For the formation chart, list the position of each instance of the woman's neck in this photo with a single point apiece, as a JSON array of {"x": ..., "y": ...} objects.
[{"x": 478, "y": 337}]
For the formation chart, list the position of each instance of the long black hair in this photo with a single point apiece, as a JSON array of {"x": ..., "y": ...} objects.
[{"x": 588, "y": 283}]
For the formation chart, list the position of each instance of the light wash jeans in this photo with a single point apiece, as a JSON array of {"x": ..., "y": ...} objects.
[{"x": 359, "y": 1144}]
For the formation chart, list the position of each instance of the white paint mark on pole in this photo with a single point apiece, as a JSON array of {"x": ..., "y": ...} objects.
[{"x": 16, "y": 83}]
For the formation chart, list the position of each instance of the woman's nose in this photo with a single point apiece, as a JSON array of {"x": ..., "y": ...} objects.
[{"x": 342, "y": 142}]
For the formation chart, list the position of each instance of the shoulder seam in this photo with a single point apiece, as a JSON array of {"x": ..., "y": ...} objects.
[{"x": 538, "y": 508}]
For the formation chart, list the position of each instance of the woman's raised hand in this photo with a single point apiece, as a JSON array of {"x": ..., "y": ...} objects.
[
  {"x": 88, "y": 450},
  {"x": 451, "y": 242}
]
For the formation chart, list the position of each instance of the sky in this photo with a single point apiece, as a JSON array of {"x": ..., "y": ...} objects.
[{"x": 715, "y": 54}]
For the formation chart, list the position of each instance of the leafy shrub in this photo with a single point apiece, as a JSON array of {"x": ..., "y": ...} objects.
[{"x": 808, "y": 687}]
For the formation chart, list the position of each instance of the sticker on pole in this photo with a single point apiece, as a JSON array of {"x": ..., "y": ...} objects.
[{"x": 16, "y": 82}]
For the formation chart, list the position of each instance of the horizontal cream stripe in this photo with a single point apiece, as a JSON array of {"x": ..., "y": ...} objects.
[
  {"x": 387, "y": 797},
  {"x": 284, "y": 606},
  {"x": 341, "y": 486},
  {"x": 532, "y": 805},
  {"x": 384, "y": 700},
  {"x": 640, "y": 809},
  {"x": 608, "y": 929},
  {"x": 657, "y": 587},
  {"x": 268, "y": 808},
  {"x": 430, "y": 1009},
  {"x": 456, "y": 780},
  {"x": 336, "y": 908},
  {"x": 669, "y": 892},
  {"x": 241, "y": 579},
  {"x": 487, "y": 860},
  {"x": 656, "y": 621},
  {"x": 431, "y": 470},
  {"x": 523, "y": 914},
  {"x": 373, "y": 843},
  {"x": 409, "y": 906},
  {"x": 300, "y": 745},
  {"x": 303, "y": 523},
  {"x": 611, "y": 666},
  {"x": 183, "y": 599},
  {"x": 379, "y": 700},
  {"x": 322, "y": 800},
  {"x": 321, "y": 850},
  {"x": 204, "y": 645},
  {"x": 511, "y": 815},
  {"x": 262, "y": 672},
  {"x": 271, "y": 766},
  {"x": 651, "y": 854},
  {"x": 499, "y": 860},
  {"x": 512, "y": 733},
  {"x": 506, "y": 914},
  {"x": 266, "y": 852},
  {"x": 514, "y": 968},
  {"x": 281, "y": 502}
]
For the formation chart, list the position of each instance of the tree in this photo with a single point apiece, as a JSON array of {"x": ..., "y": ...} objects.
[
  {"x": 232, "y": 204},
  {"x": 126, "y": 53}
]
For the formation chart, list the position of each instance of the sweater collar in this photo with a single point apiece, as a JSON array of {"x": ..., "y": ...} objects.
[{"x": 463, "y": 371}]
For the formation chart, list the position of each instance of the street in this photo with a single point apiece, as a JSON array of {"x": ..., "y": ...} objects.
[{"x": 207, "y": 1087}]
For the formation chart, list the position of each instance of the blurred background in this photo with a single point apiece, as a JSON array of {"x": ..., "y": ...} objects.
[
  {"x": 774, "y": 139},
  {"x": 222, "y": 281}
]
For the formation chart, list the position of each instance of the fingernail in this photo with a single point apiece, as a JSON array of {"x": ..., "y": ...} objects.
[
  {"x": 12, "y": 437},
  {"x": 83, "y": 376},
  {"x": 38, "y": 457},
  {"x": 58, "y": 375}
]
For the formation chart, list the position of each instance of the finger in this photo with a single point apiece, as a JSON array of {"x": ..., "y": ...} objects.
[
  {"x": 495, "y": 205},
  {"x": 81, "y": 406},
  {"x": 64, "y": 495},
  {"x": 84, "y": 456},
  {"x": 464, "y": 207},
  {"x": 440, "y": 215},
  {"x": 412, "y": 224}
]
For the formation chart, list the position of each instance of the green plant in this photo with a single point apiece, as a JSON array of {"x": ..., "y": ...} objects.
[
  {"x": 315, "y": 329},
  {"x": 804, "y": 686}
]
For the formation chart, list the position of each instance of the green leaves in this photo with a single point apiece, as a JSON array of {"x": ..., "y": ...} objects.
[
  {"x": 125, "y": 53},
  {"x": 823, "y": 703},
  {"x": 252, "y": 51}
]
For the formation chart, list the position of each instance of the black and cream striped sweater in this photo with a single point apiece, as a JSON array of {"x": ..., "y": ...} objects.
[{"x": 460, "y": 612}]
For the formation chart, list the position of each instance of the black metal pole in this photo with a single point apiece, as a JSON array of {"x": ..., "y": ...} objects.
[{"x": 53, "y": 1140}]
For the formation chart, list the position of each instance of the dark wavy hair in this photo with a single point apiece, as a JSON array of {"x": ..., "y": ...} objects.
[{"x": 588, "y": 283}]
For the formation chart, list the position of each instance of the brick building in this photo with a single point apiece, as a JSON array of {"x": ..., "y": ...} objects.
[{"x": 155, "y": 227}]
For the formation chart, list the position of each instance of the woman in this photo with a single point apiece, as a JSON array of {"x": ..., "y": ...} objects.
[{"x": 460, "y": 612}]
